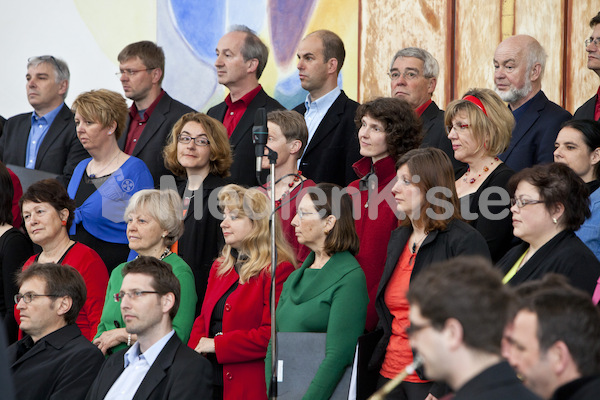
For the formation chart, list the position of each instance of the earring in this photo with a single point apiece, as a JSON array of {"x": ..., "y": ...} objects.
[
  {"x": 163, "y": 236},
  {"x": 110, "y": 132},
  {"x": 555, "y": 220},
  {"x": 63, "y": 223},
  {"x": 326, "y": 232}
]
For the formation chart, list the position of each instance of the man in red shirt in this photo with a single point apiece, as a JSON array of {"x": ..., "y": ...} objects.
[{"x": 591, "y": 108}]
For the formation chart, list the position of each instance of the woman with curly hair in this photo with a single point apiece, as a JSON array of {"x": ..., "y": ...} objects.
[{"x": 388, "y": 128}]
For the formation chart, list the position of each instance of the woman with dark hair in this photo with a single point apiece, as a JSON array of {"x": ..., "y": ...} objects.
[
  {"x": 549, "y": 202},
  {"x": 199, "y": 150},
  {"x": 234, "y": 327},
  {"x": 102, "y": 185},
  {"x": 480, "y": 127},
  {"x": 432, "y": 231},
  {"x": 387, "y": 128},
  {"x": 48, "y": 213},
  {"x": 578, "y": 146},
  {"x": 328, "y": 293},
  {"x": 15, "y": 248}
]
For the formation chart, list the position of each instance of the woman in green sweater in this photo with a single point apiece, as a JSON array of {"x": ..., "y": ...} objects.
[
  {"x": 153, "y": 226},
  {"x": 329, "y": 292}
]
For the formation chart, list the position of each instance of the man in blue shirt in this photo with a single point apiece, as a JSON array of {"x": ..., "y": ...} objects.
[
  {"x": 157, "y": 365},
  {"x": 45, "y": 139}
]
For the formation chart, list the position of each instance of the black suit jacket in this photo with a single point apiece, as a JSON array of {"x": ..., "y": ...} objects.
[
  {"x": 243, "y": 170},
  {"x": 586, "y": 111},
  {"x": 334, "y": 146},
  {"x": 60, "y": 151},
  {"x": 155, "y": 134},
  {"x": 534, "y": 134},
  {"x": 435, "y": 133},
  {"x": 61, "y": 365},
  {"x": 177, "y": 373}
]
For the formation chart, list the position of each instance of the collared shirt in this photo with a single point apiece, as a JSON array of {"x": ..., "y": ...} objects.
[
  {"x": 519, "y": 112},
  {"x": 316, "y": 110},
  {"x": 37, "y": 133},
  {"x": 421, "y": 109},
  {"x": 136, "y": 366},
  {"x": 597, "y": 108},
  {"x": 236, "y": 109},
  {"x": 138, "y": 119}
]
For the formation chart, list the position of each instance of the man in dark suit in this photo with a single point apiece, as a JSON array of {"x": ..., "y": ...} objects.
[
  {"x": 413, "y": 77},
  {"x": 158, "y": 365},
  {"x": 460, "y": 339},
  {"x": 54, "y": 360},
  {"x": 241, "y": 60},
  {"x": 45, "y": 139},
  {"x": 553, "y": 341},
  {"x": 329, "y": 114},
  {"x": 519, "y": 63},
  {"x": 153, "y": 112},
  {"x": 591, "y": 108}
]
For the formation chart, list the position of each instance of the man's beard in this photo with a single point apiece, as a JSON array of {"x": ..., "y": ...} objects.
[{"x": 513, "y": 95}]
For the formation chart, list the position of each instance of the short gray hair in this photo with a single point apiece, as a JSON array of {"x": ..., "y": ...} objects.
[
  {"x": 61, "y": 69},
  {"x": 253, "y": 47},
  {"x": 162, "y": 205},
  {"x": 431, "y": 68},
  {"x": 536, "y": 55}
]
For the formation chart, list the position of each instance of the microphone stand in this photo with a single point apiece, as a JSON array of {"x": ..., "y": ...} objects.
[{"x": 272, "y": 155}]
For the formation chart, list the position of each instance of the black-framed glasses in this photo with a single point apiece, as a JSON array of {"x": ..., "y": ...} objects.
[
  {"x": 520, "y": 202},
  {"x": 47, "y": 58},
  {"x": 28, "y": 297},
  {"x": 131, "y": 72},
  {"x": 198, "y": 140},
  {"x": 596, "y": 42},
  {"x": 414, "y": 328},
  {"x": 457, "y": 127},
  {"x": 136, "y": 294}
]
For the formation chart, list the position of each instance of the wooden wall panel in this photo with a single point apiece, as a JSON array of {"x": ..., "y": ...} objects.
[
  {"x": 581, "y": 83},
  {"x": 478, "y": 32},
  {"x": 388, "y": 26},
  {"x": 545, "y": 22}
]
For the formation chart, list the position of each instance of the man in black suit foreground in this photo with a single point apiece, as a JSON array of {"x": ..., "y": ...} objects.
[
  {"x": 158, "y": 365},
  {"x": 54, "y": 360},
  {"x": 45, "y": 139}
]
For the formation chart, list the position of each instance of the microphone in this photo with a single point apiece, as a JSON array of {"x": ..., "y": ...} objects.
[{"x": 260, "y": 134}]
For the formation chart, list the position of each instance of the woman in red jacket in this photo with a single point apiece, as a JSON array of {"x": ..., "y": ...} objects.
[{"x": 234, "y": 326}]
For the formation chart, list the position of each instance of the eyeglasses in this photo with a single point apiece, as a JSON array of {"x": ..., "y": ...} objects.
[
  {"x": 457, "y": 128},
  {"x": 46, "y": 59},
  {"x": 136, "y": 294},
  {"x": 520, "y": 202},
  {"x": 589, "y": 41},
  {"x": 302, "y": 214},
  {"x": 131, "y": 72},
  {"x": 28, "y": 297},
  {"x": 198, "y": 140},
  {"x": 414, "y": 328},
  {"x": 407, "y": 75}
]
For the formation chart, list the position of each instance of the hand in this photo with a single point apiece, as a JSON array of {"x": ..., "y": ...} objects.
[
  {"x": 205, "y": 345},
  {"x": 110, "y": 339},
  {"x": 430, "y": 397}
]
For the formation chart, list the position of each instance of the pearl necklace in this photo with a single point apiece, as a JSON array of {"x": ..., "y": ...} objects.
[{"x": 485, "y": 169}]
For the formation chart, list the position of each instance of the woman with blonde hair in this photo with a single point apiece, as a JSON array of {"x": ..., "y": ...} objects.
[
  {"x": 234, "y": 326},
  {"x": 199, "y": 150}
]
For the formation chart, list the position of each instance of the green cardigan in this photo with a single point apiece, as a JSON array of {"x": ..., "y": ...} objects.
[
  {"x": 182, "y": 323},
  {"x": 332, "y": 299}
]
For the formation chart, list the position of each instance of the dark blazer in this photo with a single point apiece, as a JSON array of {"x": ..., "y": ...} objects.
[
  {"x": 564, "y": 254},
  {"x": 243, "y": 170},
  {"x": 435, "y": 135},
  {"x": 334, "y": 146},
  {"x": 457, "y": 239},
  {"x": 587, "y": 110},
  {"x": 59, "y": 153},
  {"x": 177, "y": 373},
  {"x": 498, "y": 382},
  {"x": 586, "y": 388},
  {"x": 61, "y": 365},
  {"x": 155, "y": 135},
  {"x": 202, "y": 238},
  {"x": 534, "y": 134}
]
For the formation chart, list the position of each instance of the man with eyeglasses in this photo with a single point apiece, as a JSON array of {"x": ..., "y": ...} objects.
[
  {"x": 458, "y": 311},
  {"x": 158, "y": 365},
  {"x": 519, "y": 63},
  {"x": 153, "y": 112},
  {"x": 46, "y": 139},
  {"x": 413, "y": 77},
  {"x": 54, "y": 360},
  {"x": 332, "y": 146},
  {"x": 591, "y": 108}
]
